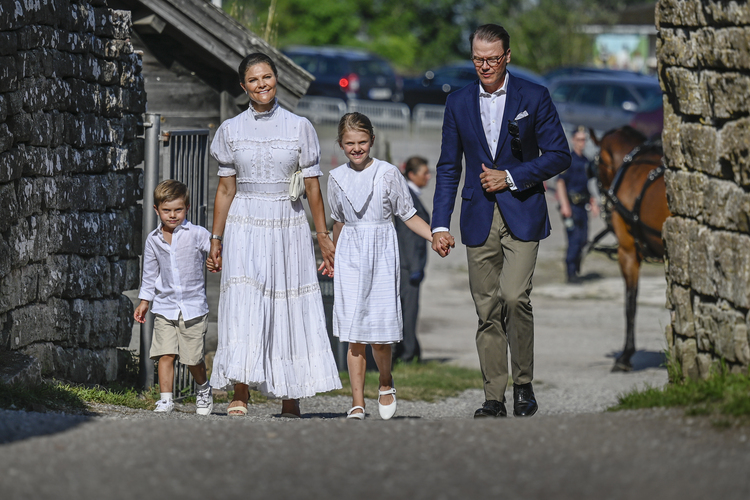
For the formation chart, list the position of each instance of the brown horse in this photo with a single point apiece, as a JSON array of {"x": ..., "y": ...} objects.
[{"x": 631, "y": 178}]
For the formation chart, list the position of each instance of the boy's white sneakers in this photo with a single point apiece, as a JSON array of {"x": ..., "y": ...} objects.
[
  {"x": 204, "y": 402},
  {"x": 164, "y": 406}
]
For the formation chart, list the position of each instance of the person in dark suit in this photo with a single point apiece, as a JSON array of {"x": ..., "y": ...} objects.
[
  {"x": 412, "y": 251},
  {"x": 509, "y": 134}
]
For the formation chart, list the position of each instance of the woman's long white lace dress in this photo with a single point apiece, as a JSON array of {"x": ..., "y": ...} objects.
[{"x": 272, "y": 328}]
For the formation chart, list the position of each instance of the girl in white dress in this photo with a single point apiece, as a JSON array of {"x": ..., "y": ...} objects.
[
  {"x": 272, "y": 328},
  {"x": 364, "y": 195}
]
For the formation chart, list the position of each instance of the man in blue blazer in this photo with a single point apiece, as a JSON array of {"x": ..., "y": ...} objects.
[{"x": 509, "y": 134}]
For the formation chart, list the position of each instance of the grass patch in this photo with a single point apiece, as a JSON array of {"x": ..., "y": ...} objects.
[
  {"x": 53, "y": 395},
  {"x": 47, "y": 396},
  {"x": 429, "y": 381},
  {"x": 724, "y": 395},
  {"x": 116, "y": 395},
  {"x": 72, "y": 398}
]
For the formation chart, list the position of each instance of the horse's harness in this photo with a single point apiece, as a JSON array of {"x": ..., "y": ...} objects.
[{"x": 639, "y": 229}]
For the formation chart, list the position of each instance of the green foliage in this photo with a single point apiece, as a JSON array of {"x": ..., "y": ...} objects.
[
  {"x": 419, "y": 34},
  {"x": 546, "y": 36},
  {"x": 113, "y": 395},
  {"x": 413, "y": 34},
  {"x": 48, "y": 396},
  {"x": 723, "y": 394},
  {"x": 430, "y": 381}
]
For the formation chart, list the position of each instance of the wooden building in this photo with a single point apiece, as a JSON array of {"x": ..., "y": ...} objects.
[{"x": 191, "y": 51}]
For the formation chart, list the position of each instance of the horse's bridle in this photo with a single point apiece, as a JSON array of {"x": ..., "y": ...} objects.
[{"x": 639, "y": 228}]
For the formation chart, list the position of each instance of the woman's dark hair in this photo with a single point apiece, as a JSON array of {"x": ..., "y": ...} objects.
[
  {"x": 491, "y": 33},
  {"x": 356, "y": 122},
  {"x": 252, "y": 60}
]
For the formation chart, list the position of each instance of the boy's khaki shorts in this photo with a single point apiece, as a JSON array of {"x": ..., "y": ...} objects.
[{"x": 183, "y": 338}]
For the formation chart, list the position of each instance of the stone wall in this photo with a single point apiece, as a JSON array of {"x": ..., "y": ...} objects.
[
  {"x": 704, "y": 66},
  {"x": 71, "y": 104}
]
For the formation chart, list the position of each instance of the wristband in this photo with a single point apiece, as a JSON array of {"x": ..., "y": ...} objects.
[{"x": 216, "y": 237}]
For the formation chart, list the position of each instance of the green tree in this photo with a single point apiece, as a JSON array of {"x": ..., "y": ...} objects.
[
  {"x": 418, "y": 34},
  {"x": 546, "y": 35}
]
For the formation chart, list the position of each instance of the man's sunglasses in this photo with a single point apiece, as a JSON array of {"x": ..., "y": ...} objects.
[{"x": 515, "y": 143}]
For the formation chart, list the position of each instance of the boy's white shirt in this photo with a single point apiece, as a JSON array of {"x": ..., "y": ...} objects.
[{"x": 173, "y": 276}]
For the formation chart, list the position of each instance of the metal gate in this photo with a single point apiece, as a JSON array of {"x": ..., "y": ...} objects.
[
  {"x": 188, "y": 163},
  {"x": 187, "y": 160}
]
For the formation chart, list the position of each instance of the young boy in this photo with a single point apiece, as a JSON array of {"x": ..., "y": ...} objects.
[{"x": 173, "y": 278}]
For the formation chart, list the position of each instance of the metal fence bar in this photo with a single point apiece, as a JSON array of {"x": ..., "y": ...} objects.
[
  {"x": 321, "y": 110},
  {"x": 150, "y": 180},
  {"x": 384, "y": 115},
  {"x": 428, "y": 116},
  {"x": 188, "y": 163}
]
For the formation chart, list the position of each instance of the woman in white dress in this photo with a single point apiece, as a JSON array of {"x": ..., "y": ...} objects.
[
  {"x": 272, "y": 328},
  {"x": 364, "y": 195}
]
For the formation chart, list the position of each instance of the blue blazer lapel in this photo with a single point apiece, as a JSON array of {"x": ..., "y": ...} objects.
[
  {"x": 512, "y": 103},
  {"x": 475, "y": 117}
]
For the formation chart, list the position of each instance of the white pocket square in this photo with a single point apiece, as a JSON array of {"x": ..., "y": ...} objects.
[{"x": 522, "y": 114}]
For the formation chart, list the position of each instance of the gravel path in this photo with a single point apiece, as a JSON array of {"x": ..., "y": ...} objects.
[{"x": 572, "y": 449}]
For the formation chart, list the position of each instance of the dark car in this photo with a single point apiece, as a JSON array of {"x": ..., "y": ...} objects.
[
  {"x": 649, "y": 120},
  {"x": 434, "y": 86},
  {"x": 348, "y": 73},
  {"x": 603, "y": 101}
]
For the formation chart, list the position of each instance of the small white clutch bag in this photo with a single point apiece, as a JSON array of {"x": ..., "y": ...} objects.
[{"x": 296, "y": 186}]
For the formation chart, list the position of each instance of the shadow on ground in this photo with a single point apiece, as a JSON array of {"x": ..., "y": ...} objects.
[
  {"x": 20, "y": 425},
  {"x": 643, "y": 360}
]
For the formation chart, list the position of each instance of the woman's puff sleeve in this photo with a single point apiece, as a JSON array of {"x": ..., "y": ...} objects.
[
  {"x": 221, "y": 150},
  {"x": 309, "y": 155}
]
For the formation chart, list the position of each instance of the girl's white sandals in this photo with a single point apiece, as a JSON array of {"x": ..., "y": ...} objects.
[
  {"x": 387, "y": 411},
  {"x": 356, "y": 416}
]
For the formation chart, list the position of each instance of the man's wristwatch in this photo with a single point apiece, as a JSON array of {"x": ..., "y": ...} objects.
[{"x": 216, "y": 237}]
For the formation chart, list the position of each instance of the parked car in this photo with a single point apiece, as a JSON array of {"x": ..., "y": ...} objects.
[
  {"x": 347, "y": 73},
  {"x": 434, "y": 86},
  {"x": 604, "y": 101},
  {"x": 568, "y": 71}
]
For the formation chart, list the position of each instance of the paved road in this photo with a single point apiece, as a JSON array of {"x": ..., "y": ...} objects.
[
  {"x": 571, "y": 449},
  {"x": 631, "y": 455}
]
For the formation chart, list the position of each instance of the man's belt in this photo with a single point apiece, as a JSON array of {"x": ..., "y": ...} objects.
[{"x": 578, "y": 198}]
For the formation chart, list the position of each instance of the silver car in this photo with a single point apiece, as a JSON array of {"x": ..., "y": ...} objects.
[{"x": 602, "y": 102}]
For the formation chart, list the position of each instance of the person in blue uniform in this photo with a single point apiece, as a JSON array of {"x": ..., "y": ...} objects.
[{"x": 573, "y": 195}]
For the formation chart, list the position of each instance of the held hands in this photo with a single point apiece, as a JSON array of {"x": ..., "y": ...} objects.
[
  {"x": 328, "y": 250},
  {"x": 493, "y": 180},
  {"x": 213, "y": 262},
  {"x": 442, "y": 242}
]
